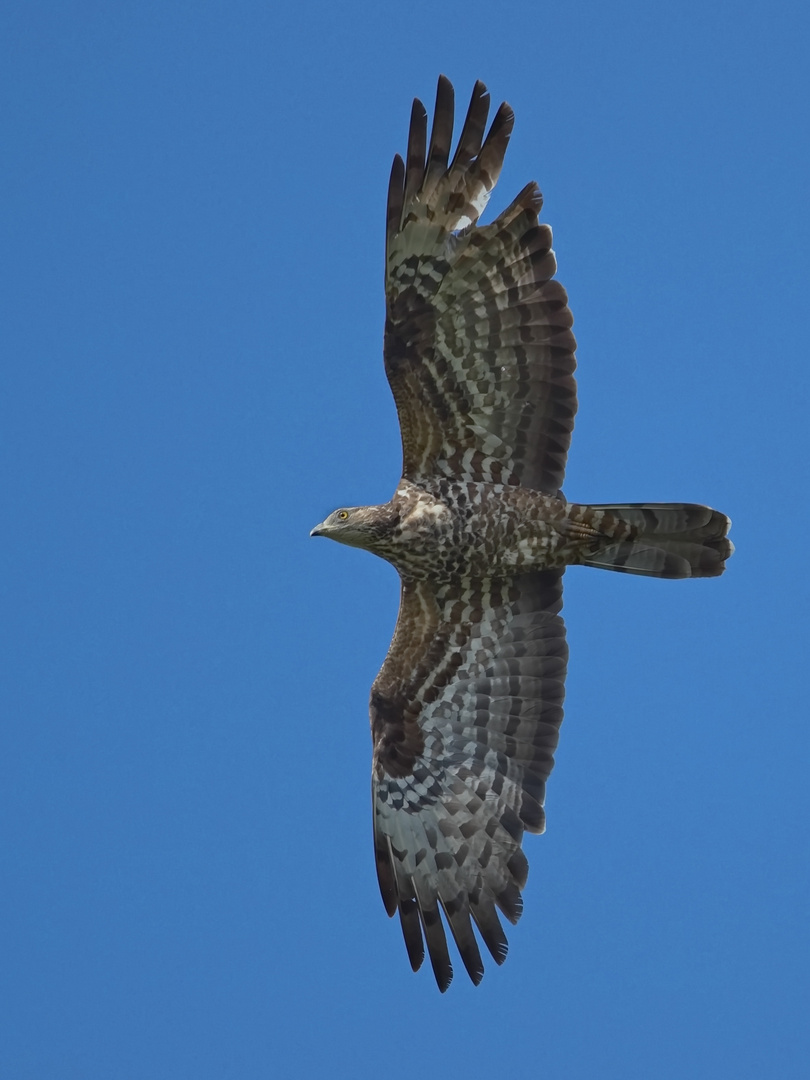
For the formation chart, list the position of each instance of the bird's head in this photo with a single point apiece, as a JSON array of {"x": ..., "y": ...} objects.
[{"x": 357, "y": 526}]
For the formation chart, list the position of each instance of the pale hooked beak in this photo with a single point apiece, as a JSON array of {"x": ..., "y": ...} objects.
[{"x": 317, "y": 531}]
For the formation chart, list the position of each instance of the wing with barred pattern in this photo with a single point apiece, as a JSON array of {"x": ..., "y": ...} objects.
[
  {"x": 465, "y": 717},
  {"x": 478, "y": 344}
]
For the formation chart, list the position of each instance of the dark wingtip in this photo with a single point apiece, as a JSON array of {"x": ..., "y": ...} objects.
[
  {"x": 479, "y": 90},
  {"x": 412, "y": 932},
  {"x": 417, "y": 148},
  {"x": 441, "y": 136},
  {"x": 443, "y": 974},
  {"x": 396, "y": 195},
  {"x": 472, "y": 133},
  {"x": 445, "y": 94}
]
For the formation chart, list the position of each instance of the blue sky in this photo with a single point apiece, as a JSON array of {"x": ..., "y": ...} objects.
[{"x": 192, "y": 212}]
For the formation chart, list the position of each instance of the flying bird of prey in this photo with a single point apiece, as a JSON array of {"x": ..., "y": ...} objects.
[{"x": 466, "y": 710}]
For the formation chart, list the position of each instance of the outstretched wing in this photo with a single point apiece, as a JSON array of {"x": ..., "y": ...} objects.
[
  {"x": 465, "y": 716},
  {"x": 478, "y": 344}
]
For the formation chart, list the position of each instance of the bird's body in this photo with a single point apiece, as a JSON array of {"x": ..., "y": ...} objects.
[
  {"x": 445, "y": 530},
  {"x": 465, "y": 712}
]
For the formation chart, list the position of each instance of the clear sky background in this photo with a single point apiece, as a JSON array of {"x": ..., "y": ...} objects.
[{"x": 192, "y": 236}]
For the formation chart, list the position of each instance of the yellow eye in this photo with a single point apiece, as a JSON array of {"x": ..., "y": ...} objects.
[{"x": 342, "y": 515}]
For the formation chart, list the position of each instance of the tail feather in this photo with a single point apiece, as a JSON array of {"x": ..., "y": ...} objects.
[{"x": 666, "y": 540}]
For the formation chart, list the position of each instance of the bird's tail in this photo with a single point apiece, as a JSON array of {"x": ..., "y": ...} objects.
[{"x": 666, "y": 540}]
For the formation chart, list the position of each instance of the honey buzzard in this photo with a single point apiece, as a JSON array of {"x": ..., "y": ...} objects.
[{"x": 465, "y": 713}]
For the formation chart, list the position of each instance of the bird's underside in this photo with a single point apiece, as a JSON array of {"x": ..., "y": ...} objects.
[{"x": 466, "y": 710}]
